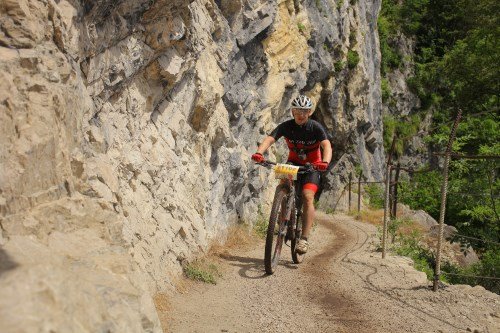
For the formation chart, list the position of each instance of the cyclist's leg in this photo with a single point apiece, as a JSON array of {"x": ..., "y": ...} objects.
[
  {"x": 309, "y": 189},
  {"x": 308, "y": 192}
]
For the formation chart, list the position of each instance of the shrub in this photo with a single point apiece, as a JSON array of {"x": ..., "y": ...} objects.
[
  {"x": 260, "y": 225},
  {"x": 386, "y": 90},
  {"x": 420, "y": 193},
  {"x": 200, "y": 270},
  {"x": 405, "y": 128},
  {"x": 375, "y": 195},
  {"x": 409, "y": 246},
  {"x": 339, "y": 65},
  {"x": 390, "y": 58},
  {"x": 488, "y": 266},
  {"x": 352, "y": 59},
  {"x": 473, "y": 275}
]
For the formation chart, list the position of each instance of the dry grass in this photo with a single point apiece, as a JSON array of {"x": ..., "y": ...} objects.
[
  {"x": 208, "y": 267},
  {"x": 238, "y": 236},
  {"x": 411, "y": 227},
  {"x": 375, "y": 217},
  {"x": 161, "y": 302},
  {"x": 163, "y": 308},
  {"x": 203, "y": 269},
  {"x": 181, "y": 284}
]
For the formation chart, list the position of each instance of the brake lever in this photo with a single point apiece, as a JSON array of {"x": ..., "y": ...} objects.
[{"x": 309, "y": 167}]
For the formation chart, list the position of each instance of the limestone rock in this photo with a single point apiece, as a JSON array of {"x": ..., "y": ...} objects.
[
  {"x": 422, "y": 218},
  {"x": 127, "y": 129},
  {"x": 452, "y": 250}
]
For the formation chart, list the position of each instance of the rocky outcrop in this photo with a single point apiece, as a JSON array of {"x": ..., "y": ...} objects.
[
  {"x": 126, "y": 133},
  {"x": 453, "y": 251},
  {"x": 402, "y": 101},
  {"x": 346, "y": 65}
]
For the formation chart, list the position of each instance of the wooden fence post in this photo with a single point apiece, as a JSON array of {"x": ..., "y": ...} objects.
[
  {"x": 444, "y": 188},
  {"x": 386, "y": 208},
  {"x": 340, "y": 197},
  {"x": 391, "y": 193},
  {"x": 359, "y": 191},
  {"x": 386, "y": 201},
  {"x": 350, "y": 181},
  {"x": 395, "y": 191}
]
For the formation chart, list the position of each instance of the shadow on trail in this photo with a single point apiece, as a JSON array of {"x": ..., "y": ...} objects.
[
  {"x": 289, "y": 264},
  {"x": 253, "y": 268},
  {"x": 6, "y": 263},
  {"x": 250, "y": 268}
]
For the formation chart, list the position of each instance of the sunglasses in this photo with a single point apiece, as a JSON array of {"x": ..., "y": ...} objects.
[{"x": 301, "y": 111}]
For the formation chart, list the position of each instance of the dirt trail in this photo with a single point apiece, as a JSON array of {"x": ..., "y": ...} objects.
[{"x": 342, "y": 286}]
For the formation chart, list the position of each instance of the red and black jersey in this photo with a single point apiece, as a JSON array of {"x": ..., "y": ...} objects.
[{"x": 302, "y": 140}]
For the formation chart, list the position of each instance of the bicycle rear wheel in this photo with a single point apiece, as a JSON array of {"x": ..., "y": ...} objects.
[
  {"x": 274, "y": 238},
  {"x": 296, "y": 257}
]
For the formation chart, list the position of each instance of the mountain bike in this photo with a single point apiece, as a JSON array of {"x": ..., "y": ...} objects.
[{"x": 285, "y": 221}]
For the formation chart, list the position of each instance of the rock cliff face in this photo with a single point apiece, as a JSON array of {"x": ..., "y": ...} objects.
[
  {"x": 126, "y": 130},
  {"x": 402, "y": 102}
]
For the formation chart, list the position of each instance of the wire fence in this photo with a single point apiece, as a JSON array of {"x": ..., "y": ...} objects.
[
  {"x": 468, "y": 116},
  {"x": 453, "y": 238},
  {"x": 476, "y": 239},
  {"x": 472, "y": 276},
  {"x": 472, "y": 157},
  {"x": 474, "y": 195},
  {"x": 390, "y": 200}
]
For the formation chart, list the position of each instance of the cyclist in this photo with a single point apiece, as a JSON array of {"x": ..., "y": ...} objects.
[{"x": 304, "y": 138}]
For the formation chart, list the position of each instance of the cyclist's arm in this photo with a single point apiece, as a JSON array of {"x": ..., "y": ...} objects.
[
  {"x": 327, "y": 151},
  {"x": 268, "y": 141}
]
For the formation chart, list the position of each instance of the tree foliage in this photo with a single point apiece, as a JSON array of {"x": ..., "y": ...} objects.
[{"x": 457, "y": 66}]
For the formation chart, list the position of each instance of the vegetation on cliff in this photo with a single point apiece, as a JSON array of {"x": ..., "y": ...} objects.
[{"x": 457, "y": 66}]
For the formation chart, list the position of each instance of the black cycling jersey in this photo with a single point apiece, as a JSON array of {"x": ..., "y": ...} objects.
[
  {"x": 302, "y": 140},
  {"x": 301, "y": 135}
]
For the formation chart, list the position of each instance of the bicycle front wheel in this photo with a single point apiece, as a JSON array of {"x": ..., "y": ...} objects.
[{"x": 276, "y": 230}]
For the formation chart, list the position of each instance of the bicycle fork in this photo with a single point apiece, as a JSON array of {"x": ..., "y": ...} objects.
[{"x": 289, "y": 231}]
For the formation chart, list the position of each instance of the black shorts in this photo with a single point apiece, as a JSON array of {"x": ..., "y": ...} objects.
[
  {"x": 309, "y": 178},
  {"x": 313, "y": 177}
]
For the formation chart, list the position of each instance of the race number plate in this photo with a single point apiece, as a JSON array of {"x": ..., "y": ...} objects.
[{"x": 286, "y": 171}]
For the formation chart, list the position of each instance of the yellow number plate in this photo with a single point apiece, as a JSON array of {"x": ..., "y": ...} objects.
[{"x": 286, "y": 171}]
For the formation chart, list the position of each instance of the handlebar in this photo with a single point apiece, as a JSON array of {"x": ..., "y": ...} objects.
[{"x": 302, "y": 168}]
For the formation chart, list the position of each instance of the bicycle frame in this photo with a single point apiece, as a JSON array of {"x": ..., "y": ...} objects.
[
  {"x": 294, "y": 187},
  {"x": 285, "y": 214},
  {"x": 290, "y": 203},
  {"x": 293, "y": 207}
]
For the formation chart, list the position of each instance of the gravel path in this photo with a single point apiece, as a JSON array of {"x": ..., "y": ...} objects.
[{"x": 343, "y": 285}]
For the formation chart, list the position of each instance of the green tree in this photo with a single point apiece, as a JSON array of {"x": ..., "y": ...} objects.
[{"x": 457, "y": 66}]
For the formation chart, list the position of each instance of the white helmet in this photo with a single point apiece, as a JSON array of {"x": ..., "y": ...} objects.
[{"x": 302, "y": 102}]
